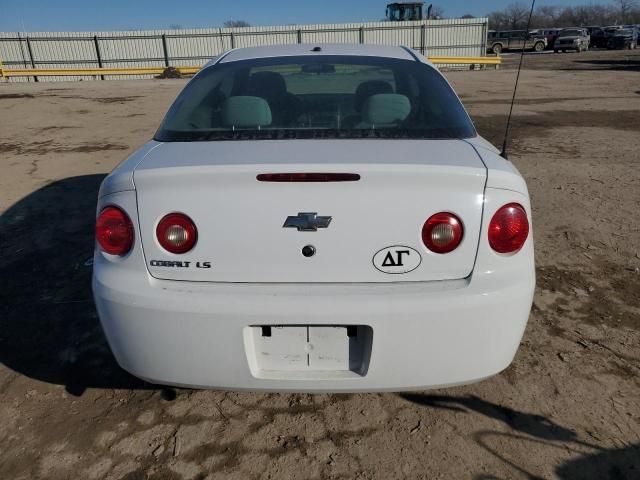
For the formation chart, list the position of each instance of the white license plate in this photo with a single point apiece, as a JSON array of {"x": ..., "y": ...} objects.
[{"x": 304, "y": 348}]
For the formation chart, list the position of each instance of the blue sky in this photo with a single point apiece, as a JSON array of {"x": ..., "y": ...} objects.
[{"x": 88, "y": 15}]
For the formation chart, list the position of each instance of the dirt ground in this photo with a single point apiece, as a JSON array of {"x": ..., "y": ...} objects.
[{"x": 568, "y": 407}]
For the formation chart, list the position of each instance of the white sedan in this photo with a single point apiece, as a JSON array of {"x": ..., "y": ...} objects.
[{"x": 315, "y": 219}]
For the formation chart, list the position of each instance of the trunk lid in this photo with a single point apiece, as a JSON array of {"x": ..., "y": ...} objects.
[{"x": 240, "y": 219}]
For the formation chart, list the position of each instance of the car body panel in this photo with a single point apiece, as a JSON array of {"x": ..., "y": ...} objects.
[
  {"x": 253, "y": 53},
  {"x": 402, "y": 184},
  {"x": 121, "y": 178},
  {"x": 501, "y": 174}
]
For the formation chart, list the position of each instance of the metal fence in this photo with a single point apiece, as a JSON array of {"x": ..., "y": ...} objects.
[{"x": 194, "y": 47}]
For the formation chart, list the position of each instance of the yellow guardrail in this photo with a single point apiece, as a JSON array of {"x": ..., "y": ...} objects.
[
  {"x": 465, "y": 60},
  {"x": 50, "y": 72}
]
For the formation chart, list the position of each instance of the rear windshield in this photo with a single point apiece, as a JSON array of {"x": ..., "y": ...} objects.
[{"x": 316, "y": 97}]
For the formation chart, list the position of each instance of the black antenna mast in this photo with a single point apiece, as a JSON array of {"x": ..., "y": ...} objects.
[{"x": 505, "y": 144}]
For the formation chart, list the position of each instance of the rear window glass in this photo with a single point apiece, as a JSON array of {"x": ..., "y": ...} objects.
[
  {"x": 344, "y": 79},
  {"x": 316, "y": 97}
]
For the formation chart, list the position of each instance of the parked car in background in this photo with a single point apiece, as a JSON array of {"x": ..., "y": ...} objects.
[
  {"x": 515, "y": 40},
  {"x": 598, "y": 37},
  {"x": 626, "y": 38},
  {"x": 610, "y": 31},
  {"x": 572, "y": 39},
  {"x": 550, "y": 34}
]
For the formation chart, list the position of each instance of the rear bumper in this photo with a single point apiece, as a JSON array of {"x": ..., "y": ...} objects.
[{"x": 425, "y": 335}]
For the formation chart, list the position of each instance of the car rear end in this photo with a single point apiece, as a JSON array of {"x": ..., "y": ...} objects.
[{"x": 337, "y": 258}]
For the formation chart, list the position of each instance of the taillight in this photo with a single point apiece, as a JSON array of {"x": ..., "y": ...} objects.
[
  {"x": 442, "y": 233},
  {"x": 177, "y": 233},
  {"x": 509, "y": 228},
  {"x": 114, "y": 231}
]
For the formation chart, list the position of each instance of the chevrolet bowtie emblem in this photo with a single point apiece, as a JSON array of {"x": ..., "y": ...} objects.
[{"x": 307, "y": 222}]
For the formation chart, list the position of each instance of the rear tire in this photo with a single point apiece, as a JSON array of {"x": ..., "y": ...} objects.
[
  {"x": 539, "y": 47},
  {"x": 497, "y": 49}
]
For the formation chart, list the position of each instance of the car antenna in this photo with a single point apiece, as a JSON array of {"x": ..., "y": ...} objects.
[{"x": 505, "y": 143}]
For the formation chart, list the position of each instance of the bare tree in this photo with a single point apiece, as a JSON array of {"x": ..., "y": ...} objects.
[
  {"x": 546, "y": 16},
  {"x": 498, "y": 21},
  {"x": 236, "y": 24},
  {"x": 626, "y": 6},
  {"x": 175, "y": 26},
  {"x": 514, "y": 17},
  {"x": 517, "y": 14}
]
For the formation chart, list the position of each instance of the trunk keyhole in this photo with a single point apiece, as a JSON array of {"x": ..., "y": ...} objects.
[{"x": 309, "y": 251}]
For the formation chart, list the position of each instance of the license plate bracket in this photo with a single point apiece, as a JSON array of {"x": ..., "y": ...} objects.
[{"x": 310, "y": 348}]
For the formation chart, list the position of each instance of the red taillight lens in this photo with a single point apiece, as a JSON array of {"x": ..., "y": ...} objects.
[
  {"x": 177, "y": 233},
  {"x": 114, "y": 231},
  {"x": 509, "y": 229},
  {"x": 442, "y": 233}
]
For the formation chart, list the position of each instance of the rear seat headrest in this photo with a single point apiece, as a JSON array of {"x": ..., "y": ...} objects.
[
  {"x": 368, "y": 88},
  {"x": 267, "y": 85},
  {"x": 245, "y": 111},
  {"x": 386, "y": 109}
]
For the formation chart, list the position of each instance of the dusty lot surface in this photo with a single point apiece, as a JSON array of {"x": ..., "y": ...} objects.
[{"x": 568, "y": 407}]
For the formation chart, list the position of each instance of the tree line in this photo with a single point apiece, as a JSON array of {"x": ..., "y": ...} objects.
[{"x": 516, "y": 15}]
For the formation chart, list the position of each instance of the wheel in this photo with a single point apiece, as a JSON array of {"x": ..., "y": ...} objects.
[
  {"x": 497, "y": 49},
  {"x": 539, "y": 47}
]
